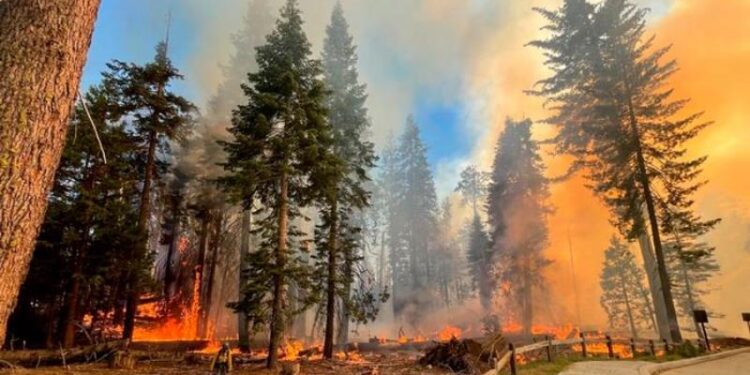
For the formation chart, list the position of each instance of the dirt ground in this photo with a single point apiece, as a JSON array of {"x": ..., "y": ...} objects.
[{"x": 382, "y": 364}]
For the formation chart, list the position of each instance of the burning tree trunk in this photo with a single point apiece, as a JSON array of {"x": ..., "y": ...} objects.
[{"x": 43, "y": 45}]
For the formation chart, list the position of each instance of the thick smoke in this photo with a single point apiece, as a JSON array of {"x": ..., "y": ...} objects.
[{"x": 440, "y": 50}]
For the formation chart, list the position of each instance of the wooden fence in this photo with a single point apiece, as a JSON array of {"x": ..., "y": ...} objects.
[{"x": 549, "y": 346}]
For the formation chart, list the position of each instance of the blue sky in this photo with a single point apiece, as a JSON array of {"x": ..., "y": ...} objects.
[{"x": 129, "y": 30}]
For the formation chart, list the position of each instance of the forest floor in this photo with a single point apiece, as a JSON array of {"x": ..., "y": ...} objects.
[{"x": 397, "y": 363}]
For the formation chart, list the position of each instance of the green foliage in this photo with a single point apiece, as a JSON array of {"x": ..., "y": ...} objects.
[
  {"x": 412, "y": 224},
  {"x": 687, "y": 350},
  {"x": 345, "y": 194},
  {"x": 281, "y": 140},
  {"x": 90, "y": 224}
]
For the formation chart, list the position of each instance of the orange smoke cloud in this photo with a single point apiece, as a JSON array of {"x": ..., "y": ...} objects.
[{"x": 711, "y": 42}]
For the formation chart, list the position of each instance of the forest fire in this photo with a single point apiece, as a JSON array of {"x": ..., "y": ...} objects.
[
  {"x": 449, "y": 332},
  {"x": 177, "y": 230},
  {"x": 183, "y": 328}
]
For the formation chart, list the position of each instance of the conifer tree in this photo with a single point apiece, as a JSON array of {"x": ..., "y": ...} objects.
[
  {"x": 615, "y": 114},
  {"x": 517, "y": 212},
  {"x": 92, "y": 215},
  {"x": 624, "y": 296},
  {"x": 281, "y": 141},
  {"x": 417, "y": 217},
  {"x": 338, "y": 234},
  {"x": 159, "y": 116},
  {"x": 473, "y": 188}
]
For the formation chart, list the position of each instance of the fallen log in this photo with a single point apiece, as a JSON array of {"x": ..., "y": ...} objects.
[
  {"x": 467, "y": 356},
  {"x": 56, "y": 357}
]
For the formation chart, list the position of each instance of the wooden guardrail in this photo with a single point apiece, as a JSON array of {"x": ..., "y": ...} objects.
[{"x": 509, "y": 359}]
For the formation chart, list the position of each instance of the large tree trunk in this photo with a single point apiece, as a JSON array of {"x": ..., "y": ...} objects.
[
  {"x": 43, "y": 46},
  {"x": 144, "y": 213},
  {"x": 331, "y": 282},
  {"x": 277, "y": 308},
  {"x": 643, "y": 177},
  {"x": 243, "y": 325},
  {"x": 649, "y": 264}
]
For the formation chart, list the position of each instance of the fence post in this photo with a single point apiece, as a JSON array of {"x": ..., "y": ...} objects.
[
  {"x": 549, "y": 349},
  {"x": 583, "y": 344},
  {"x": 609, "y": 346},
  {"x": 512, "y": 350},
  {"x": 652, "y": 348},
  {"x": 632, "y": 347}
]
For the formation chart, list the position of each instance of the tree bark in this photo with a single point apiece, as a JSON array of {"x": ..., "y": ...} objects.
[
  {"x": 242, "y": 322},
  {"x": 649, "y": 264},
  {"x": 331, "y": 281},
  {"x": 43, "y": 46},
  {"x": 277, "y": 309},
  {"x": 674, "y": 327}
]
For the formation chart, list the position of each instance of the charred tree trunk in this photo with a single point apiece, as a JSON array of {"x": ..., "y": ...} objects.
[
  {"x": 43, "y": 46},
  {"x": 277, "y": 307},
  {"x": 243, "y": 325},
  {"x": 144, "y": 213}
]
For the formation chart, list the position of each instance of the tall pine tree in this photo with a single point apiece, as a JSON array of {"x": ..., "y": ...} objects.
[
  {"x": 159, "y": 116},
  {"x": 517, "y": 211},
  {"x": 416, "y": 217},
  {"x": 337, "y": 236},
  {"x": 615, "y": 114},
  {"x": 281, "y": 137}
]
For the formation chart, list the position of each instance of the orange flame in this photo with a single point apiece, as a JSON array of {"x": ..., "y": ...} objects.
[{"x": 449, "y": 332}]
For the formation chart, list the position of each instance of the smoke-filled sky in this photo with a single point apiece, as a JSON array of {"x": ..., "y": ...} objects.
[{"x": 460, "y": 67}]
